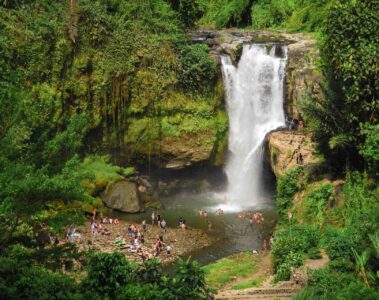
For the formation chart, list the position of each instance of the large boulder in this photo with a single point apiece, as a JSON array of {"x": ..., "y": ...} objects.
[{"x": 123, "y": 196}]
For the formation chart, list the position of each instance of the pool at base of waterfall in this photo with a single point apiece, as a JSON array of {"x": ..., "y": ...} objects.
[
  {"x": 254, "y": 102},
  {"x": 233, "y": 232}
]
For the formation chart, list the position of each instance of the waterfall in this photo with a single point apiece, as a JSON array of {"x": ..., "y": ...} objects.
[{"x": 254, "y": 96}]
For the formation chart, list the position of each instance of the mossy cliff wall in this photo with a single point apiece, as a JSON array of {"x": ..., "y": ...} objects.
[
  {"x": 151, "y": 97},
  {"x": 166, "y": 129}
]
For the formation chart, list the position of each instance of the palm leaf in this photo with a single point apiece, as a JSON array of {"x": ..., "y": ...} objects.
[{"x": 340, "y": 141}]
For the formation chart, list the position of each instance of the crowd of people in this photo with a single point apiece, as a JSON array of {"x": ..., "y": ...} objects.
[
  {"x": 133, "y": 238},
  {"x": 101, "y": 227}
]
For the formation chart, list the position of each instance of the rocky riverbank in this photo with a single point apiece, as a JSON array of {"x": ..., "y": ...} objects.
[{"x": 182, "y": 241}]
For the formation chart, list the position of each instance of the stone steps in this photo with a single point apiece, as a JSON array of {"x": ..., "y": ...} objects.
[
  {"x": 285, "y": 290},
  {"x": 259, "y": 297}
]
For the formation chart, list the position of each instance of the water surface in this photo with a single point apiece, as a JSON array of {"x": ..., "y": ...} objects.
[{"x": 233, "y": 233}]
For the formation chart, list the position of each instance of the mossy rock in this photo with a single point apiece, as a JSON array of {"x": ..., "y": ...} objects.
[{"x": 270, "y": 38}]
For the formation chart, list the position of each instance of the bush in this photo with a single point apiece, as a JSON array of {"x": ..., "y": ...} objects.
[
  {"x": 337, "y": 244},
  {"x": 341, "y": 265},
  {"x": 190, "y": 12},
  {"x": 357, "y": 290},
  {"x": 292, "y": 260},
  {"x": 197, "y": 70},
  {"x": 370, "y": 150},
  {"x": 299, "y": 239},
  {"x": 289, "y": 247},
  {"x": 286, "y": 189},
  {"x": 226, "y": 13},
  {"x": 271, "y": 13},
  {"x": 38, "y": 283},
  {"x": 150, "y": 271},
  {"x": 189, "y": 281},
  {"x": 99, "y": 173},
  {"x": 315, "y": 204},
  {"x": 326, "y": 284},
  {"x": 138, "y": 291},
  {"x": 106, "y": 272}
]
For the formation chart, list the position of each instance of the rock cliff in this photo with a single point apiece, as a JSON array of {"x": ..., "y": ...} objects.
[{"x": 285, "y": 147}]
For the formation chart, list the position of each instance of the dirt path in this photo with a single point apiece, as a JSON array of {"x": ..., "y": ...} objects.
[{"x": 317, "y": 263}]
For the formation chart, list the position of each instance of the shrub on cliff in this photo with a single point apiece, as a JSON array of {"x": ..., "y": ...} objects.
[
  {"x": 315, "y": 204},
  {"x": 287, "y": 187}
]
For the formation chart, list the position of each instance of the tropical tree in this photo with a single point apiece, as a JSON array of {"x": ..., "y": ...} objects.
[
  {"x": 360, "y": 264},
  {"x": 351, "y": 67}
]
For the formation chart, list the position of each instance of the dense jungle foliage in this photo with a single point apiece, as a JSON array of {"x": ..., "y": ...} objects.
[
  {"x": 345, "y": 126},
  {"x": 79, "y": 79}
]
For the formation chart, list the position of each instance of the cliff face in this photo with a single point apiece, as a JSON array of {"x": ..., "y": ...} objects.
[
  {"x": 302, "y": 77},
  {"x": 174, "y": 129},
  {"x": 285, "y": 148}
]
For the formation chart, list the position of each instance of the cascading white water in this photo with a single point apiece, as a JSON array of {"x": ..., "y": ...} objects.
[{"x": 254, "y": 94}]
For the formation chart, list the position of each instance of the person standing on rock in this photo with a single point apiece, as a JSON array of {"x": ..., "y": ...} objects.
[
  {"x": 94, "y": 214},
  {"x": 152, "y": 218},
  {"x": 159, "y": 219},
  {"x": 163, "y": 225},
  {"x": 301, "y": 160},
  {"x": 144, "y": 225}
]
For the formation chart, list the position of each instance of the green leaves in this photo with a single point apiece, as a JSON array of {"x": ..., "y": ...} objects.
[
  {"x": 351, "y": 96},
  {"x": 197, "y": 70},
  {"x": 111, "y": 276},
  {"x": 286, "y": 189}
]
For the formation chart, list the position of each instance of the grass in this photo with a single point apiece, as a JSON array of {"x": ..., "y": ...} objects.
[
  {"x": 249, "y": 284},
  {"x": 228, "y": 269}
]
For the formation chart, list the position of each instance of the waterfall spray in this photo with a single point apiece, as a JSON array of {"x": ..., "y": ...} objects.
[{"x": 254, "y": 95}]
